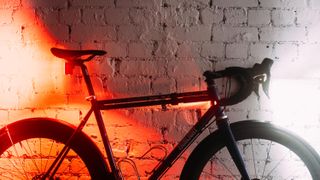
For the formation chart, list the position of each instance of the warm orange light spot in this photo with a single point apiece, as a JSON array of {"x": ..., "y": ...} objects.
[
  {"x": 28, "y": 71},
  {"x": 201, "y": 105}
]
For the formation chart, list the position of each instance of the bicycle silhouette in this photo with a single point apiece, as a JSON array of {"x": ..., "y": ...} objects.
[{"x": 46, "y": 148}]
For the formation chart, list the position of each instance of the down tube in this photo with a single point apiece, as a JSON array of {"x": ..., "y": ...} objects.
[{"x": 187, "y": 140}]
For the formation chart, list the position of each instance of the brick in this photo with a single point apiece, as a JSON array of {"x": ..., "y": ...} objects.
[
  {"x": 182, "y": 68},
  {"x": 71, "y": 116},
  {"x": 261, "y": 50},
  {"x": 116, "y": 49},
  {"x": 10, "y": 33},
  {"x": 154, "y": 33},
  {"x": 70, "y": 16},
  {"x": 167, "y": 48},
  {"x": 138, "y": 149},
  {"x": 117, "y": 86},
  {"x": 9, "y": 100},
  {"x": 169, "y": 18},
  {"x": 24, "y": 17},
  {"x": 234, "y": 34},
  {"x": 5, "y": 4},
  {"x": 93, "y": 45},
  {"x": 283, "y": 34},
  {"x": 185, "y": 119},
  {"x": 141, "y": 50},
  {"x": 286, "y": 51},
  {"x": 308, "y": 17},
  {"x": 187, "y": 17},
  {"x": 81, "y": 33},
  {"x": 129, "y": 32},
  {"x": 6, "y": 16},
  {"x": 163, "y": 119},
  {"x": 235, "y": 3},
  {"x": 236, "y": 50},
  {"x": 73, "y": 85},
  {"x": 45, "y": 4},
  {"x": 119, "y": 16},
  {"x": 283, "y": 3},
  {"x": 218, "y": 15},
  {"x": 4, "y": 116},
  {"x": 210, "y": 50},
  {"x": 236, "y": 16},
  {"x": 143, "y": 16},
  {"x": 206, "y": 16},
  {"x": 196, "y": 3},
  {"x": 48, "y": 16},
  {"x": 92, "y": 3},
  {"x": 141, "y": 116},
  {"x": 259, "y": 17},
  {"x": 58, "y": 32},
  {"x": 143, "y": 68},
  {"x": 93, "y": 16},
  {"x": 195, "y": 33},
  {"x": 139, "y": 86},
  {"x": 189, "y": 49},
  {"x": 186, "y": 84},
  {"x": 283, "y": 17},
  {"x": 163, "y": 85},
  {"x": 135, "y": 4}
]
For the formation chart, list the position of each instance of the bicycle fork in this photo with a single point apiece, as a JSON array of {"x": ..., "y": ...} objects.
[
  {"x": 223, "y": 124},
  {"x": 225, "y": 130}
]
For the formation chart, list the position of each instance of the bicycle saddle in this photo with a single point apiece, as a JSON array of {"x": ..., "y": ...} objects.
[{"x": 76, "y": 54}]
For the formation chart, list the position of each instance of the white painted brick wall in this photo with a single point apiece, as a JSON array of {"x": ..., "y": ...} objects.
[
  {"x": 259, "y": 17},
  {"x": 154, "y": 47}
]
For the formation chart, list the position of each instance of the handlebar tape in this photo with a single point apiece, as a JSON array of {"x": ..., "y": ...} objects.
[{"x": 245, "y": 78}]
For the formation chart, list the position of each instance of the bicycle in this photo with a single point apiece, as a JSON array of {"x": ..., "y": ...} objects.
[{"x": 262, "y": 160}]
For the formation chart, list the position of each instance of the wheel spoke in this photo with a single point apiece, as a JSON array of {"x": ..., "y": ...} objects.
[
  {"x": 267, "y": 160},
  {"x": 226, "y": 168},
  {"x": 31, "y": 156},
  {"x": 277, "y": 165},
  {"x": 17, "y": 155},
  {"x": 254, "y": 159},
  {"x": 45, "y": 167},
  {"x": 274, "y": 152}
]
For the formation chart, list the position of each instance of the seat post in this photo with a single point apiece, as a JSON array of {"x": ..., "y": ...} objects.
[{"x": 87, "y": 79}]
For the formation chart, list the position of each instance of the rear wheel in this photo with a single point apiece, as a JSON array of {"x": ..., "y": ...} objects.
[
  {"x": 269, "y": 153},
  {"x": 28, "y": 148}
]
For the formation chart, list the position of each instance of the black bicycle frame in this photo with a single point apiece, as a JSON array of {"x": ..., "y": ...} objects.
[{"x": 215, "y": 110}]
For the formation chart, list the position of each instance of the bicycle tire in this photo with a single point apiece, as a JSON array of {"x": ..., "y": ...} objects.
[
  {"x": 27, "y": 143},
  {"x": 204, "y": 161}
]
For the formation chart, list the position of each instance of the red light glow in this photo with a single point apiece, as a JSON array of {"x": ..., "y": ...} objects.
[
  {"x": 28, "y": 72},
  {"x": 201, "y": 105}
]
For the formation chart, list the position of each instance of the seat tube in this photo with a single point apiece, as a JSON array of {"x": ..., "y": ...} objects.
[
  {"x": 100, "y": 123},
  {"x": 107, "y": 146},
  {"x": 87, "y": 79},
  {"x": 225, "y": 130}
]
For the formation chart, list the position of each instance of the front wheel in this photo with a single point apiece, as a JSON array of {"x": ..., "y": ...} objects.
[
  {"x": 28, "y": 147},
  {"x": 269, "y": 153}
]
